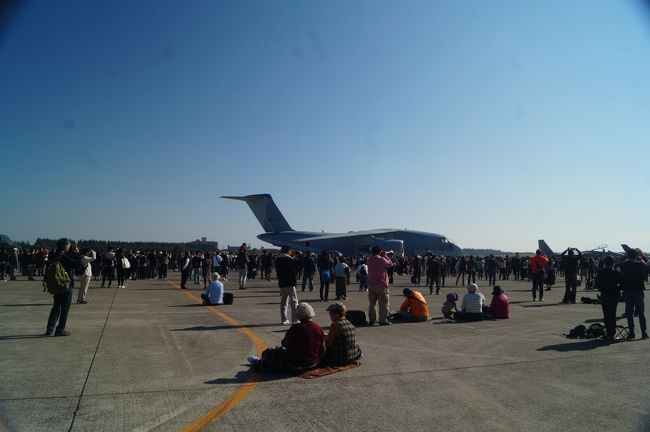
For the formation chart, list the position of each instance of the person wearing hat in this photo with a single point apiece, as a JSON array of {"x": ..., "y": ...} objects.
[
  {"x": 302, "y": 346},
  {"x": 472, "y": 305},
  {"x": 500, "y": 305},
  {"x": 341, "y": 342},
  {"x": 414, "y": 307},
  {"x": 609, "y": 282}
]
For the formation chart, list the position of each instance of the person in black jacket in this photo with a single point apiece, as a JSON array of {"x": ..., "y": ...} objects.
[
  {"x": 609, "y": 282},
  {"x": 286, "y": 268},
  {"x": 634, "y": 271},
  {"x": 61, "y": 305}
]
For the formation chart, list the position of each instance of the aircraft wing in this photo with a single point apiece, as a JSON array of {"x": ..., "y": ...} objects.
[{"x": 350, "y": 235}]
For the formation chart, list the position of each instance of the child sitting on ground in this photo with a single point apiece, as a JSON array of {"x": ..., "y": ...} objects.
[{"x": 449, "y": 307}]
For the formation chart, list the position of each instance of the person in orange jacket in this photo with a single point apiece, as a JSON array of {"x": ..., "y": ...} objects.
[{"x": 414, "y": 307}]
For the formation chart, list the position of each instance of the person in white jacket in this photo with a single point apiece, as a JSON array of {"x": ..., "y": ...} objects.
[
  {"x": 472, "y": 306},
  {"x": 87, "y": 257}
]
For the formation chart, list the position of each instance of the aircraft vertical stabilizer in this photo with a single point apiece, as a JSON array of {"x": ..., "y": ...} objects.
[
  {"x": 545, "y": 248},
  {"x": 266, "y": 212}
]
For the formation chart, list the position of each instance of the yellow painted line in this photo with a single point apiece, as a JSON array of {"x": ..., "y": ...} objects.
[{"x": 243, "y": 390}]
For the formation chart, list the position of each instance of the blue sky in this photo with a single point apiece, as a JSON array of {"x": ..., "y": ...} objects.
[{"x": 495, "y": 123}]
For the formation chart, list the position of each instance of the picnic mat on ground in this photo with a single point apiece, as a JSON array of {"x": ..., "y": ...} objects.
[{"x": 319, "y": 372}]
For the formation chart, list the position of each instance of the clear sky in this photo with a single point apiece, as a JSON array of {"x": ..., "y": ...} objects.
[{"x": 496, "y": 123}]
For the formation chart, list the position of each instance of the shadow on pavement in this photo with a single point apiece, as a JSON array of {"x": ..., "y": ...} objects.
[
  {"x": 27, "y": 304},
  {"x": 14, "y": 337},
  {"x": 579, "y": 345}
]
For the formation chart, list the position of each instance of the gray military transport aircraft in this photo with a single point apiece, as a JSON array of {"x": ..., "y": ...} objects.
[{"x": 278, "y": 232}]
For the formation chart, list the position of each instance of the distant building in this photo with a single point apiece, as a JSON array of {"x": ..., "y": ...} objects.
[{"x": 204, "y": 239}]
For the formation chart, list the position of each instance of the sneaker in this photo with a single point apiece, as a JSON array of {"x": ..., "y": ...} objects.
[
  {"x": 82, "y": 301},
  {"x": 644, "y": 335},
  {"x": 285, "y": 322},
  {"x": 63, "y": 333},
  {"x": 371, "y": 323},
  {"x": 253, "y": 360},
  {"x": 541, "y": 300},
  {"x": 534, "y": 299},
  {"x": 48, "y": 333},
  {"x": 384, "y": 323},
  {"x": 631, "y": 336}
]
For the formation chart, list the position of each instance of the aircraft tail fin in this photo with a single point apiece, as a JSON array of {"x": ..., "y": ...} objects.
[
  {"x": 626, "y": 248},
  {"x": 266, "y": 212},
  {"x": 545, "y": 248}
]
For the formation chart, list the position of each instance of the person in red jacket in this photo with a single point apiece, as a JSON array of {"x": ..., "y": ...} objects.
[
  {"x": 537, "y": 265},
  {"x": 500, "y": 305}
]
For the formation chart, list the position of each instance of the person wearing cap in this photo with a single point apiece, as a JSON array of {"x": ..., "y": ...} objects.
[
  {"x": 609, "y": 282},
  {"x": 302, "y": 346},
  {"x": 414, "y": 307},
  {"x": 286, "y": 267},
  {"x": 341, "y": 342},
  {"x": 213, "y": 294},
  {"x": 500, "y": 305},
  {"x": 472, "y": 305},
  {"x": 633, "y": 272}
]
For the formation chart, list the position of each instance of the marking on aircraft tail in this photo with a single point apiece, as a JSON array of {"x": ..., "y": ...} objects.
[{"x": 243, "y": 390}]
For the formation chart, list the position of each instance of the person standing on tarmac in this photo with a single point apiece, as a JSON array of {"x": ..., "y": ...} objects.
[
  {"x": 570, "y": 264},
  {"x": 58, "y": 317},
  {"x": 633, "y": 272},
  {"x": 286, "y": 268},
  {"x": 537, "y": 265}
]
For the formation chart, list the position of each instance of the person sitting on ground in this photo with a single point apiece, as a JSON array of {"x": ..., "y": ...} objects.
[
  {"x": 302, "y": 346},
  {"x": 472, "y": 305},
  {"x": 500, "y": 305},
  {"x": 449, "y": 308},
  {"x": 341, "y": 342},
  {"x": 213, "y": 294},
  {"x": 414, "y": 307}
]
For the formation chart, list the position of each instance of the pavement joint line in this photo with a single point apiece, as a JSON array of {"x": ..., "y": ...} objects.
[
  {"x": 99, "y": 341},
  {"x": 243, "y": 390}
]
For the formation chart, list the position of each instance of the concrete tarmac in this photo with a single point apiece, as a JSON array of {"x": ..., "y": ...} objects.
[{"x": 148, "y": 357}]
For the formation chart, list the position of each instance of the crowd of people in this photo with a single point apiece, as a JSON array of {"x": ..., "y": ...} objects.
[{"x": 616, "y": 280}]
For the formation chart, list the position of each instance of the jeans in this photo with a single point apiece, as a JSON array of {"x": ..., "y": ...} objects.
[
  {"x": 59, "y": 311},
  {"x": 197, "y": 275},
  {"x": 307, "y": 276},
  {"x": 288, "y": 297},
  {"x": 538, "y": 285},
  {"x": 242, "y": 277},
  {"x": 609, "y": 303},
  {"x": 634, "y": 301},
  {"x": 571, "y": 282}
]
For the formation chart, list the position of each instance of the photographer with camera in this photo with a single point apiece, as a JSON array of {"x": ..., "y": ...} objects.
[
  {"x": 378, "y": 265},
  {"x": 570, "y": 262}
]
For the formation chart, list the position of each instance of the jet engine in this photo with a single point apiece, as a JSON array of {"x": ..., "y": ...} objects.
[{"x": 397, "y": 246}]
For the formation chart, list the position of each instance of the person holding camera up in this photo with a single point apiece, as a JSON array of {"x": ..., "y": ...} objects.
[
  {"x": 378, "y": 265},
  {"x": 570, "y": 262}
]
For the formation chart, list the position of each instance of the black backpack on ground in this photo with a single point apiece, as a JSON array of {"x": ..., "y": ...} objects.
[
  {"x": 357, "y": 317},
  {"x": 228, "y": 298}
]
